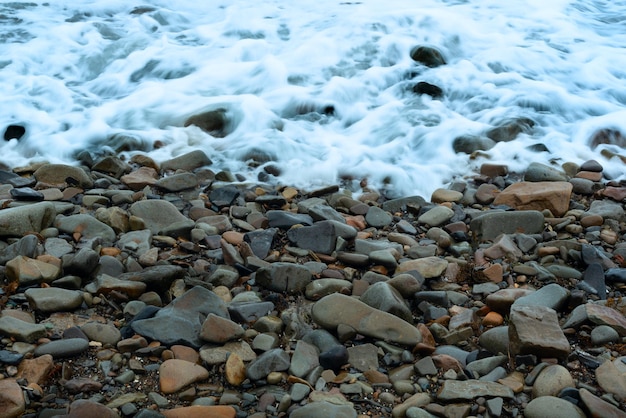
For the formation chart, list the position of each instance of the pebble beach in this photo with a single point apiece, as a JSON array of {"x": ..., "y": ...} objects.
[{"x": 137, "y": 289}]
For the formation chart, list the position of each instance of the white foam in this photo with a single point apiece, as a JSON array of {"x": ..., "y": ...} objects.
[{"x": 323, "y": 89}]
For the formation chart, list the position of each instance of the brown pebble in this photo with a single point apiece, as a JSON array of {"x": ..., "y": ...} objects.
[{"x": 592, "y": 220}]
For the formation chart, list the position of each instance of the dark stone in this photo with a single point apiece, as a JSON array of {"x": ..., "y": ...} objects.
[
  {"x": 224, "y": 196},
  {"x": 284, "y": 277},
  {"x": 469, "y": 144},
  {"x": 249, "y": 312},
  {"x": 157, "y": 278},
  {"x": 82, "y": 264},
  {"x": 614, "y": 275},
  {"x": 26, "y": 194},
  {"x": 430, "y": 89},
  {"x": 594, "y": 277},
  {"x": 271, "y": 201},
  {"x": 5, "y": 176},
  {"x": 428, "y": 56},
  {"x": 74, "y": 332},
  {"x": 10, "y": 358},
  {"x": 20, "y": 181},
  {"x": 213, "y": 122},
  {"x": 334, "y": 358},
  {"x": 322, "y": 339},
  {"x": 147, "y": 312},
  {"x": 510, "y": 129},
  {"x": 14, "y": 132},
  {"x": 260, "y": 241},
  {"x": 26, "y": 246},
  {"x": 609, "y": 137},
  {"x": 285, "y": 220}
]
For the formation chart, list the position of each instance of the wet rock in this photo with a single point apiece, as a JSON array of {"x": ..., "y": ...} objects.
[
  {"x": 429, "y": 56},
  {"x": 537, "y": 172},
  {"x": 432, "y": 90},
  {"x": 61, "y": 175},
  {"x": 436, "y": 216},
  {"x": 177, "y": 182},
  {"x": 509, "y": 130},
  {"x": 551, "y": 406},
  {"x": 606, "y": 209},
  {"x": 284, "y": 220},
  {"x": 377, "y": 217},
  {"x": 337, "y": 309},
  {"x": 188, "y": 162}
]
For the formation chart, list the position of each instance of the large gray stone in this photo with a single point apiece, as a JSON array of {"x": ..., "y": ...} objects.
[
  {"x": 159, "y": 214},
  {"x": 386, "y": 298},
  {"x": 86, "y": 225},
  {"x": 181, "y": 321},
  {"x": 53, "y": 299},
  {"x": 336, "y": 309},
  {"x": 284, "y": 277},
  {"x": 471, "y": 389},
  {"x": 488, "y": 226},
  {"x": 15, "y": 222},
  {"x": 322, "y": 236}
]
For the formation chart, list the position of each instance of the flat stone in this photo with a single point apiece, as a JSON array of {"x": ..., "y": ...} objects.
[
  {"x": 177, "y": 182},
  {"x": 304, "y": 359},
  {"x": 604, "y": 334},
  {"x": 219, "y": 355},
  {"x": 436, "y": 216},
  {"x": 284, "y": 277},
  {"x": 21, "y": 330},
  {"x": 106, "y": 284},
  {"x": 159, "y": 215},
  {"x": 490, "y": 225},
  {"x": 537, "y": 172},
  {"x": 455, "y": 390},
  {"x": 188, "y": 162},
  {"x": 201, "y": 411},
  {"x": 446, "y": 195},
  {"x": 322, "y": 236},
  {"x": 217, "y": 329},
  {"x": 86, "y": 408},
  {"x": 551, "y": 195},
  {"x": 428, "y": 267},
  {"x": 86, "y": 225},
  {"x": 598, "y": 408},
  {"x": 536, "y": 330},
  {"x": 324, "y": 410},
  {"x": 604, "y": 315},
  {"x": 336, "y": 309},
  {"x": 606, "y": 209},
  {"x": 36, "y": 370},
  {"x": 319, "y": 288},
  {"x": 377, "y": 217},
  {"x": 551, "y": 296},
  {"x": 104, "y": 333},
  {"x": 363, "y": 357},
  {"x": 175, "y": 374},
  {"x": 52, "y": 299}
]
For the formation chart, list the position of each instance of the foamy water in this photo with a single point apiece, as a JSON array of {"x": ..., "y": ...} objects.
[{"x": 321, "y": 90}]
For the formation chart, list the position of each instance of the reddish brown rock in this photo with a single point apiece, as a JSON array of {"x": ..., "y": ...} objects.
[
  {"x": 615, "y": 193},
  {"x": 36, "y": 370},
  {"x": 235, "y": 370},
  {"x": 176, "y": 374},
  {"x": 140, "y": 178},
  {"x": 198, "y": 411},
  {"x": 551, "y": 195},
  {"x": 216, "y": 329},
  {"x": 83, "y": 408},
  {"x": 604, "y": 315},
  {"x": 12, "y": 403},
  {"x": 535, "y": 330},
  {"x": 597, "y": 408}
]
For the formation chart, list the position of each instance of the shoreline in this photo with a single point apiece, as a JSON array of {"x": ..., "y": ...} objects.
[{"x": 139, "y": 289}]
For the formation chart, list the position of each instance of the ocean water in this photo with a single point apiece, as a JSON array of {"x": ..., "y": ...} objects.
[{"x": 316, "y": 93}]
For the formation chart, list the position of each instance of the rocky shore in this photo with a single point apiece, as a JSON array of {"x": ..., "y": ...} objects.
[{"x": 133, "y": 289}]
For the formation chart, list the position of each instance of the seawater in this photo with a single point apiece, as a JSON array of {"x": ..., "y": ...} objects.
[{"x": 321, "y": 91}]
